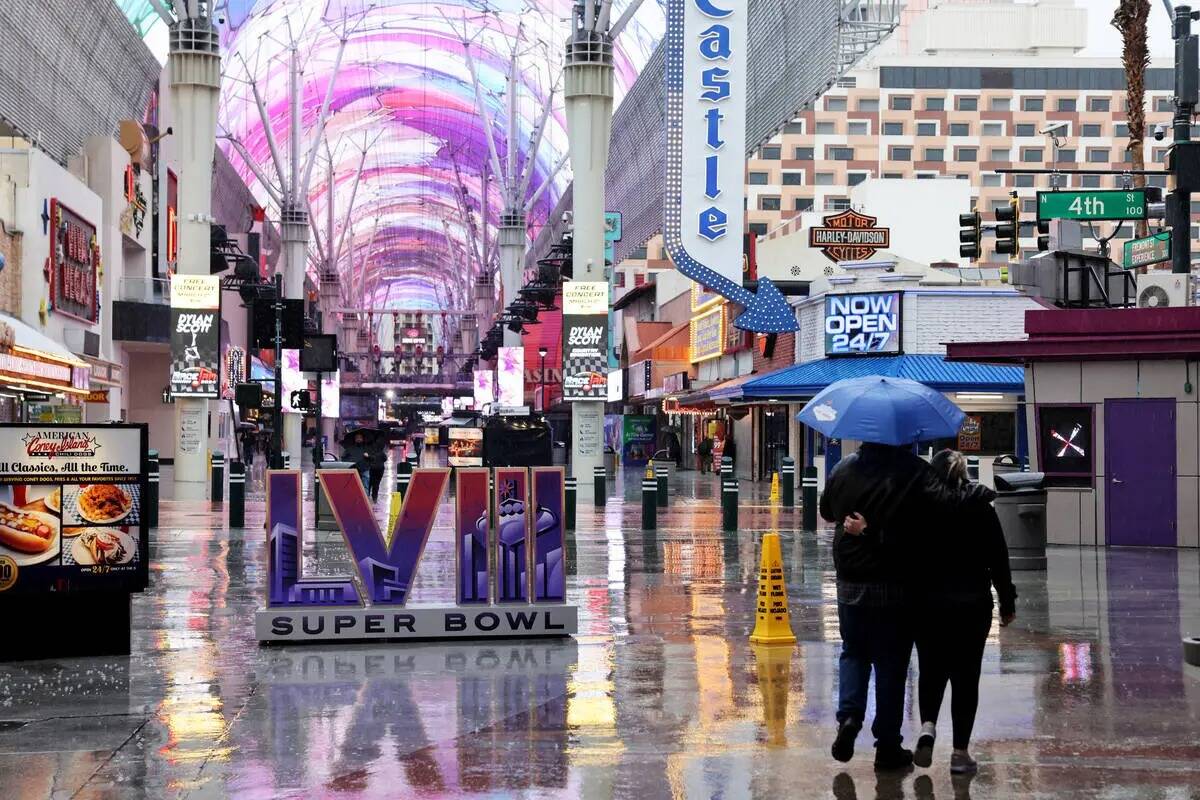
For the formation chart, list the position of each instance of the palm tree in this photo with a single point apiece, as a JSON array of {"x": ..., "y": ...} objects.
[{"x": 1130, "y": 19}]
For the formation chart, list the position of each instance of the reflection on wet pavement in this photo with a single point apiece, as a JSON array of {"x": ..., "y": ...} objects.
[{"x": 661, "y": 694}]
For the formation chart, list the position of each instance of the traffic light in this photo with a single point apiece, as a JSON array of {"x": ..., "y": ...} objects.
[
  {"x": 1043, "y": 229},
  {"x": 1008, "y": 227},
  {"x": 969, "y": 236}
]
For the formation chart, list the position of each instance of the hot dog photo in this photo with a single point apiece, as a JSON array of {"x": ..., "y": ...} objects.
[{"x": 30, "y": 525}]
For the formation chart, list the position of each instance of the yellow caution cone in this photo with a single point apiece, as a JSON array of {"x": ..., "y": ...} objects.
[
  {"x": 773, "y": 664},
  {"x": 649, "y": 472},
  {"x": 393, "y": 511},
  {"x": 774, "y": 498},
  {"x": 773, "y": 622}
]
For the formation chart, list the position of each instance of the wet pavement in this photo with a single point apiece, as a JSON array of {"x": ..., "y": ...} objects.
[{"x": 661, "y": 695}]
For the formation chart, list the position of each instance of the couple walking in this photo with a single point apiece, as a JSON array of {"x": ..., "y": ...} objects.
[{"x": 917, "y": 548}]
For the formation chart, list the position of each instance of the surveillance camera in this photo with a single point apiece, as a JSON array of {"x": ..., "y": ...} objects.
[
  {"x": 1160, "y": 132},
  {"x": 1053, "y": 128}
]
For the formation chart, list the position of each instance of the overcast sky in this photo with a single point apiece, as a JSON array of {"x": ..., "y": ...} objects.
[{"x": 1104, "y": 40}]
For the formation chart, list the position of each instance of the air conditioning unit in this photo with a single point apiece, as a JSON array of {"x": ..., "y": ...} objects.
[{"x": 1162, "y": 290}]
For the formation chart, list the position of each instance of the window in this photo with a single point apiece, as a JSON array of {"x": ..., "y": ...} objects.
[
  {"x": 1000, "y": 104},
  {"x": 802, "y": 153},
  {"x": 824, "y": 179},
  {"x": 868, "y": 104},
  {"x": 1127, "y": 156},
  {"x": 1157, "y": 180},
  {"x": 768, "y": 203},
  {"x": 1028, "y": 205},
  {"x": 620, "y": 282},
  {"x": 770, "y": 152},
  {"x": 758, "y": 178},
  {"x": 1022, "y": 129},
  {"x": 1066, "y": 155},
  {"x": 1032, "y": 104},
  {"x": 839, "y": 153},
  {"x": 935, "y": 154},
  {"x": 758, "y": 228},
  {"x": 927, "y": 129},
  {"x": 639, "y": 253},
  {"x": 993, "y": 129},
  {"x": 1089, "y": 181},
  {"x": 1098, "y": 104},
  {"x": 1097, "y": 155},
  {"x": 847, "y": 83},
  {"x": 835, "y": 104},
  {"x": 996, "y": 205},
  {"x": 855, "y": 178},
  {"x": 1065, "y": 104},
  {"x": 1120, "y": 130},
  {"x": 966, "y": 154},
  {"x": 793, "y": 179},
  {"x": 1031, "y": 154},
  {"x": 1023, "y": 181},
  {"x": 990, "y": 180},
  {"x": 1194, "y": 132},
  {"x": 858, "y": 127},
  {"x": 967, "y": 104},
  {"x": 960, "y": 129},
  {"x": 802, "y": 204},
  {"x": 826, "y": 128},
  {"x": 900, "y": 103},
  {"x": 1164, "y": 105},
  {"x": 893, "y": 176},
  {"x": 900, "y": 153},
  {"x": 926, "y": 176},
  {"x": 837, "y": 203},
  {"x": 893, "y": 128},
  {"x": 794, "y": 128},
  {"x": 999, "y": 154},
  {"x": 1091, "y": 130},
  {"x": 935, "y": 104}
]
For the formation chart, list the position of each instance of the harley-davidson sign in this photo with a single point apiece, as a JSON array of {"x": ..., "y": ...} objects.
[{"x": 849, "y": 236}]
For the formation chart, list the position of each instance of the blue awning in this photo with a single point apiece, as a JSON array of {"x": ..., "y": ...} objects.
[{"x": 805, "y": 380}]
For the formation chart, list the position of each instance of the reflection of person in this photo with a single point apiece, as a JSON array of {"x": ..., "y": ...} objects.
[{"x": 898, "y": 494}]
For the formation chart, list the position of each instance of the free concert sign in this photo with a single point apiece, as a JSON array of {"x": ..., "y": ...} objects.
[{"x": 195, "y": 335}]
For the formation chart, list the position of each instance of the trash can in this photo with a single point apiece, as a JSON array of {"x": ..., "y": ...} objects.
[
  {"x": 325, "y": 518},
  {"x": 610, "y": 463},
  {"x": 1021, "y": 506},
  {"x": 1005, "y": 464}
]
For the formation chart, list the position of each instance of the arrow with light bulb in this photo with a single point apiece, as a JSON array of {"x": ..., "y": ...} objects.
[{"x": 713, "y": 92}]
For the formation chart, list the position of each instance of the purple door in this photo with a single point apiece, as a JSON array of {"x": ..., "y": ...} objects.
[{"x": 1139, "y": 472}]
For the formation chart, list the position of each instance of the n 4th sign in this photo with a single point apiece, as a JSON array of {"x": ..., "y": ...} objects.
[{"x": 1095, "y": 206}]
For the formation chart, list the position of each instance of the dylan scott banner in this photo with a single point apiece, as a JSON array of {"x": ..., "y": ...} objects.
[{"x": 503, "y": 554}]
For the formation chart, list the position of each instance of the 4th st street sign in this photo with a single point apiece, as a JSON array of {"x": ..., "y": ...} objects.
[{"x": 1093, "y": 206}]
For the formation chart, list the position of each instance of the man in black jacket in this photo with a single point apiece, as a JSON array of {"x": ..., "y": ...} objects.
[{"x": 897, "y": 492}]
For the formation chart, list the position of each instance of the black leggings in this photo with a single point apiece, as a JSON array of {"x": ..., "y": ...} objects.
[{"x": 950, "y": 648}]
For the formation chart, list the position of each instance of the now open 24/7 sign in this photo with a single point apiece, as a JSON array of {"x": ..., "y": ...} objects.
[{"x": 1095, "y": 206}]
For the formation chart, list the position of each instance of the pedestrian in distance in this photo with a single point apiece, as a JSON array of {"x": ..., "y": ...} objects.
[
  {"x": 956, "y": 567},
  {"x": 376, "y": 461},
  {"x": 889, "y": 495},
  {"x": 705, "y": 450}
]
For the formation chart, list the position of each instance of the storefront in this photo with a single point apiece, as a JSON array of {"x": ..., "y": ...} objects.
[
  {"x": 1112, "y": 414},
  {"x": 40, "y": 380}
]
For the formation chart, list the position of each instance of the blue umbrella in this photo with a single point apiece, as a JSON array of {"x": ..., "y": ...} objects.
[{"x": 883, "y": 410}]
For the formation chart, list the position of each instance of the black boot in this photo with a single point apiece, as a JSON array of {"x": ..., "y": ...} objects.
[
  {"x": 843, "y": 744},
  {"x": 893, "y": 757}
]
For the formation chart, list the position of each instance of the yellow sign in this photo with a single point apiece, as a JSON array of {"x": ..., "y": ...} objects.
[
  {"x": 708, "y": 335},
  {"x": 773, "y": 621},
  {"x": 8, "y": 573},
  {"x": 585, "y": 297},
  {"x": 773, "y": 666},
  {"x": 196, "y": 291}
]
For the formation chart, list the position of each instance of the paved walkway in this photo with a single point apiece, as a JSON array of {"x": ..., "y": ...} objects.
[{"x": 660, "y": 696}]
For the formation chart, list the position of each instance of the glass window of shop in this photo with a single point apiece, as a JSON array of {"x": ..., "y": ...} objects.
[{"x": 996, "y": 435}]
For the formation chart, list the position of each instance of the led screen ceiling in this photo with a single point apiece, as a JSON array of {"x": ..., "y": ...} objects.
[{"x": 404, "y": 90}]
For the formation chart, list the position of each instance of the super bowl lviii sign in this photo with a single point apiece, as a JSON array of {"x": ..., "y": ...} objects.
[
  {"x": 857, "y": 324},
  {"x": 509, "y": 556}
]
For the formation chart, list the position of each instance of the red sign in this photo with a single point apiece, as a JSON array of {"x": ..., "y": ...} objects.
[
  {"x": 849, "y": 236},
  {"x": 74, "y": 264},
  {"x": 60, "y": 444}
]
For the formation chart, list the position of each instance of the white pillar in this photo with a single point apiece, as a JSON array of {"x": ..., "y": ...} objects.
[
  {"x": 194, "y": 69},
  {"x": 589, "y": 101},
  {"x": 511, "y": 235},
  {"x": 295, "y": 248}
]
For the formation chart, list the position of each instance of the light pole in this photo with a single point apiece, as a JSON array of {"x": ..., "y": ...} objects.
[{"x": 542, "y": 354}]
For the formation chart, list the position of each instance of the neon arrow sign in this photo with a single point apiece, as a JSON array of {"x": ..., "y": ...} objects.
[{"x": 706, "y": 88}]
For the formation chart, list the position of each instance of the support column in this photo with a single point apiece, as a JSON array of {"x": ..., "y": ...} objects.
[
  {"x": 512, "y": 262},
  {"x": 194, "y": 75},
  {"x": 294, "y": 220},
  {"x": 588, "y": 75}
]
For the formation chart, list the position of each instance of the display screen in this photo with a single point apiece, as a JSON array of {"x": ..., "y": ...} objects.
[
  {"x": 71, "y": 508},
  {"x": 511, "y": 362},
  {"x": 319, "y": 353},
  {"x": 359, "y": 406},
  {"x": 485, "y": 388},
  {"x": 861, "y": 324},
  {"x": 466, "y": 447},
  {"x": 1065, "y": 441},
  {"x": 331, "y": 395}
]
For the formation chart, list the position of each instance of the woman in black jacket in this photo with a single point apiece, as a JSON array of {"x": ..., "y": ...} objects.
[{"x": 957, "y": 567}]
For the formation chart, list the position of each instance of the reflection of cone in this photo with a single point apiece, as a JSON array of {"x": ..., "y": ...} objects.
[
  {"x": 774, "y": 498},
  {"x": 772, "y": 623},
  {"x": 773, "y": 663}
]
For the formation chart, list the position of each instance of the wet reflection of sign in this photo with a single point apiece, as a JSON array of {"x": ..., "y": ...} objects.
[{"x": 970, "y": 435}]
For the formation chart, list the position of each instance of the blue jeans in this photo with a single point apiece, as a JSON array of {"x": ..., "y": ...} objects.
[{"x": 879, "y": 638}]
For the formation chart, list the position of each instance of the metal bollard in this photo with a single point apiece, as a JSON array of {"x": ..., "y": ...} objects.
[
  {"x": 726, "y": 469},
  {"x": 973, "y": 468},
  {"x": 729, "y": 505},
  {"x": 571, "y": 491},
  {"x": 403, "y": 477},
  {"x": 287, "y": 460},
  {"x": 237, "y": 494},
  {"x": 649, "y": 504},
  {"x": 810, "y": 498},
  {"x": 662, "y": 471},
  {"x": 218, "y": 477},
  {"x": 152, "y": 490},
  {"x": 787, "y": 476},
  {"x": 598, "y": 479}
]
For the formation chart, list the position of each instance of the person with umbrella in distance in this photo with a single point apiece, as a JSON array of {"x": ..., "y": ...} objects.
[
  {"x": 355, "y": 452},
  {"x": 894, "y": 495}
]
